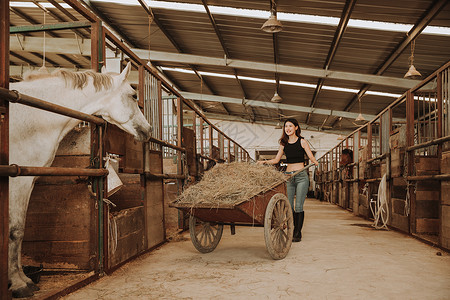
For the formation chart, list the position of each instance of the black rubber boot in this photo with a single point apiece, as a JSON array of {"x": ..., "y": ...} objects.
[
  {"x": 297, "y": 231},
  {"x": 301, "y": 218}
]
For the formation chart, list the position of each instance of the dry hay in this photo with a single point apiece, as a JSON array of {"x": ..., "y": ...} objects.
[{"x": 230, "y": 184}]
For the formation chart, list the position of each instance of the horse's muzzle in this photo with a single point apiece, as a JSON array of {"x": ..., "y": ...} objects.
[{"x": 144, "y": 134}]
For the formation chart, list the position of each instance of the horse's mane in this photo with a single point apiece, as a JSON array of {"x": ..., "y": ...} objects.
[{"x": 78, "y": 80}]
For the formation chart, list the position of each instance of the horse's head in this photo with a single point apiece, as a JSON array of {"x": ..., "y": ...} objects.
[{"x": 121, "y": 108}]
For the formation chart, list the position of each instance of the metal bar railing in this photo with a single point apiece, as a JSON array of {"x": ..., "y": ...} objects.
[
  {"x": 16, "y": 97},
  {"x": 165, "y": 144},
  {"x": 429, "y": 143},
  {"x": 377, "y": 158},
  {"x": 150, "y": 175},
  {"x": 429, "y": 177},
  {"x": 15, "y": 170}
]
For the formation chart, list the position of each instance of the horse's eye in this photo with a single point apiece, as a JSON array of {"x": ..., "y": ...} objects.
[{"x": 134, "y": 96}]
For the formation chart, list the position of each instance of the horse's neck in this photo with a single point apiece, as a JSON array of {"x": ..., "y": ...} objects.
[{"x": 35, "y": 133}]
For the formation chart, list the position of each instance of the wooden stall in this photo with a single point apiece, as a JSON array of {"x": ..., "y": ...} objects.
[
  {"x": 409, "y": 143},
  {"x": 73, "y": 224}
]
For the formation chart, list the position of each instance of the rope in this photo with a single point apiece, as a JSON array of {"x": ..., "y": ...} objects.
[
  {"x": 382, "y": 208},
  {"x": 409, "y": 184},
  {"x": 113, "y": 234}
]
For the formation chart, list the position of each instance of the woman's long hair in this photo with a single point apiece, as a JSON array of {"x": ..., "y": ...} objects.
[{"x": 284, "y": 137}]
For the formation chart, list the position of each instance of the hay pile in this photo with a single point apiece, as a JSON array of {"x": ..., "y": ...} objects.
[{"x": 231, "y": 183}]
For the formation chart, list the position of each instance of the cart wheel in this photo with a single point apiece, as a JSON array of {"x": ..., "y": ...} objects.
[
  {"x": 204, "y": 235},
  {"x": 278, "y": 226}
]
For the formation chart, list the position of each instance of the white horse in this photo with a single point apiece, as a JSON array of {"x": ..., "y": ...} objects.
[{"x": 35, "y": 135}]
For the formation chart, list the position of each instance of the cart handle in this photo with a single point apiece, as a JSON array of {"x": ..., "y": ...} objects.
[{"x": 301, "y": 170}]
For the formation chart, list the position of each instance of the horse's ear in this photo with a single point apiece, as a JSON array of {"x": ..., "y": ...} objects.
[
  {"x": 125, "y": 72},
  {"x": 103, "y": 71}
]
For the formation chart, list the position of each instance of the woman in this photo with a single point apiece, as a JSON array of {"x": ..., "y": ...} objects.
[{"x": 294, "y": 146}]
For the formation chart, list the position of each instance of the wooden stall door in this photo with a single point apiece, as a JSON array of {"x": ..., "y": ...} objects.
[{"x": 154, "y": 202}]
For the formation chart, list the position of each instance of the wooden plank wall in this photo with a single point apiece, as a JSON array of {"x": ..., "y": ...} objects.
[
  {"x": 427, "y": 197},
  {"x": 61, "y": 220},
  {"x": 154, "y": 203}
]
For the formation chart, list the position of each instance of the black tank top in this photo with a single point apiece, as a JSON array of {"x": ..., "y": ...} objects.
[{"x": 294, "y": 152}]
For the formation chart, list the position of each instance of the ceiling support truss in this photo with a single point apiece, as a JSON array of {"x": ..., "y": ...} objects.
[
  {"x": 427, "y": 17},
  {"x": 345, "y": 17}
]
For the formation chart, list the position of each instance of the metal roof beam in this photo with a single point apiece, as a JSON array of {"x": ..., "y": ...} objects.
[
  {"x": 70, "y": 46},
  {"x": 58, "y": 18},
  {"x": 270, "y": 105},
  {"x": 345, "y": 17},
  {"x": 423, "y": 22},
  {"x": 155, "y": 19},
  {"x": 227, "y": 53},
  {"x": 108, "y": 22},
  {"x": 235, "y": 118},
  {"x": 268, "y": 67},
  {"x": 35, "y": 22}
]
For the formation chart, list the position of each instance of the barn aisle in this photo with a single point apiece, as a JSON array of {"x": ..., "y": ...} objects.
[{"x": 340, "y": 257}]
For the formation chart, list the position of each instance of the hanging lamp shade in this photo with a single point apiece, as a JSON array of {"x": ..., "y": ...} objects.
[
  {"x": 340, "y": 137},
  {"x": 272, "y": 25},
  {"x": 412, "y": 73},
  {"x": 276, "y": 98},
  {"x": 360, "y": 118},
  {"x": 278, "y": 126}
]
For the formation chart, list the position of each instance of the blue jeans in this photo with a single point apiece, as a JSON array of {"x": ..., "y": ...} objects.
[{"x": 297, "y": 187}]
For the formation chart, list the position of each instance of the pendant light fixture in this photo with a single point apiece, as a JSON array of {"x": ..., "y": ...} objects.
[
  {"x": 412, "y": 72},
  {"x": 360, "y": 117},
  {"x": 276, "y": 98},
  {"x": 272, "y": 25}
]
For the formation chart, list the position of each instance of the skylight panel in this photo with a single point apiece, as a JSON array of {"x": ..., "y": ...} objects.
[
  {"x": 262, "y": 14},
  {"x": 282, "y": 82}
]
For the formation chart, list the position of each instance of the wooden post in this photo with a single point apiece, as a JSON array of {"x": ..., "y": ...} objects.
[
  {"x": 369, "y": 141},
  {"x": 201, "y": 136},
  {"x": 229, "y": 152},
  {"x": 410, "y": 156},
  {"x": 97, "y": 57},
  {"x": 4, "y": 149},
  {"x": 180, "y": 138},
  {"x": 440, "y": 110},
  {"x": 160, "y": 108},
  {"x": 210, "y": 141}
]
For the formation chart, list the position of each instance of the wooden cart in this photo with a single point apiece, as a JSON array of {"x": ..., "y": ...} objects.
[{"x": 269, "y": 208}]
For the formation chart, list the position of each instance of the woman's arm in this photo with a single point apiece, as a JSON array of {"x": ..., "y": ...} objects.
[
  {"x": 305, "y": 146},
  {"x": 276, "y": 159}
]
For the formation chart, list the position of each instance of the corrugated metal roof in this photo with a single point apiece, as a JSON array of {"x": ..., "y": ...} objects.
[{"x": 306, "y": 45}]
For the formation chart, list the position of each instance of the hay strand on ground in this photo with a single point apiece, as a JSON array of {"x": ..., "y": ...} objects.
[{"x": 231, "y": 183}]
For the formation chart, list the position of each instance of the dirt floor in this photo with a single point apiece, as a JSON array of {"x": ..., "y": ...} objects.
[{"x": 340, "y": 257}]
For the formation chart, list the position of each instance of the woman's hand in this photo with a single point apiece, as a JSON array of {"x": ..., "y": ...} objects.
[{"x": 260, "y": 162}]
